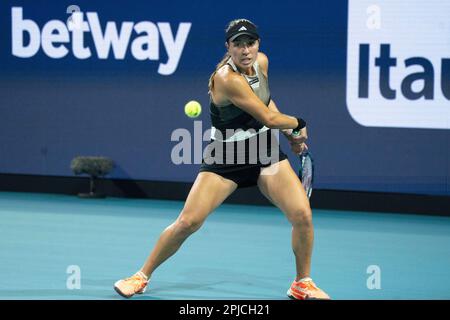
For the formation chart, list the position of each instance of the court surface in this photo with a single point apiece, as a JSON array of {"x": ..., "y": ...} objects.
[{"x": 241, "y": 252}]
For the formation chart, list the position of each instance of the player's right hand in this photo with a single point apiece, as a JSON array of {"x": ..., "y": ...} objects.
[{"x": 298, "y": 148}]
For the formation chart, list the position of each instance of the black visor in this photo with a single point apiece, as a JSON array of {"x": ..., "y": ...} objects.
[{"x": 241, "y": 28}]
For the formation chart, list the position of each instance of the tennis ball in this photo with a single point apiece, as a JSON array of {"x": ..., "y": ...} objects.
[{"x": 192, "y": 109}]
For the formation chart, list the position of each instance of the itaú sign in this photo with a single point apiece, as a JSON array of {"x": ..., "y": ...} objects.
[{"x": 398, "y": 63}]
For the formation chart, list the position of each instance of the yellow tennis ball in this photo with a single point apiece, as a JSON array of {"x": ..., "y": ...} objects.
[{"x": 193, "y": 109}]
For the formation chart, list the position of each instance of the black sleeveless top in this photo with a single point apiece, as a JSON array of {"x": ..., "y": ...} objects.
[{"x": 231, "y": 116}]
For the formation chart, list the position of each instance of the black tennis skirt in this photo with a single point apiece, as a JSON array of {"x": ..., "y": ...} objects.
[{"x": 241, "y": 161}]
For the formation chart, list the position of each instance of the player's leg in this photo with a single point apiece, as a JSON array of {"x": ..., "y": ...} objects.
[
  {"x": 207, "y": 193},
  {"x": 281, "y": 185}
]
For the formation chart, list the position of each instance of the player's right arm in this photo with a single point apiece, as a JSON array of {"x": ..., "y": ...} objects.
[{"x": 234, "y": 88}]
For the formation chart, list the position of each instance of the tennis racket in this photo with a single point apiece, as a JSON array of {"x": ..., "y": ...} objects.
[{"x": 306, "y": 171}]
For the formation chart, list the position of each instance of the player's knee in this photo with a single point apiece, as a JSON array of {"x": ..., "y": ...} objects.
[
  {"x": 302, "y": 217},
  {"x": 187, "y": 225}
]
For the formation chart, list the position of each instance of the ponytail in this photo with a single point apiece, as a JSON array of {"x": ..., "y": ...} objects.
[{"x": 219, "y": 65}]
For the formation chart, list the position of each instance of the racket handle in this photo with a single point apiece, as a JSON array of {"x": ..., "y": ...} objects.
[
  {"x": 301, "y": 157},
  {"x": 291, "y": 132}
]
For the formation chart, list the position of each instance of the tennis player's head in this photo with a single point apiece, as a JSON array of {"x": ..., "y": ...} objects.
[{"x": 242, "y": 42}]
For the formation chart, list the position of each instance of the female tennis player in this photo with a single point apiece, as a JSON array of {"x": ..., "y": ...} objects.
[{"x": 243, "y": 117}]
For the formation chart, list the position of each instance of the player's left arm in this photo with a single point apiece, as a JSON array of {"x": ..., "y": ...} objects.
[{"x": 263, "y": 62}]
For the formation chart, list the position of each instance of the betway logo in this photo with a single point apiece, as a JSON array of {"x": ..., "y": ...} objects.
[
  {"x": 57, "y": 39},
  {"x": 398, "y": 63}
]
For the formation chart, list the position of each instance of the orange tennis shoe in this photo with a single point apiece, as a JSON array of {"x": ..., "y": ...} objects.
[
  {"x": 306, "y": 289},
  {"x": 136, "y": 284}
]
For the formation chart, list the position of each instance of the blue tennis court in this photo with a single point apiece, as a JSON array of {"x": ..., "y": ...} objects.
[{"x": 241, "y": 252}]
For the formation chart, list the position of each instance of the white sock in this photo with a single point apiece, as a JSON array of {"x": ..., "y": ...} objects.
[
  {"x": 141, "y": 274},
  {"x": 305, "y": 279}
]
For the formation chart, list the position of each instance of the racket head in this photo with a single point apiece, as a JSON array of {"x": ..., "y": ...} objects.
[{"x": 306, "y": 172}]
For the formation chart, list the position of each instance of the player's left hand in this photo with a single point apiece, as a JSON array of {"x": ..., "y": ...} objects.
[{"x": 296, "y": 139}]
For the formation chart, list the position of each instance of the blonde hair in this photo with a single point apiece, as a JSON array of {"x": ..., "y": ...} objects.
[{"x": 226, "y": 56}]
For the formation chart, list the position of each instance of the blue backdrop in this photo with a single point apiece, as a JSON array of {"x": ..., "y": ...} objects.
[{"x": 53, "y": 109}]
